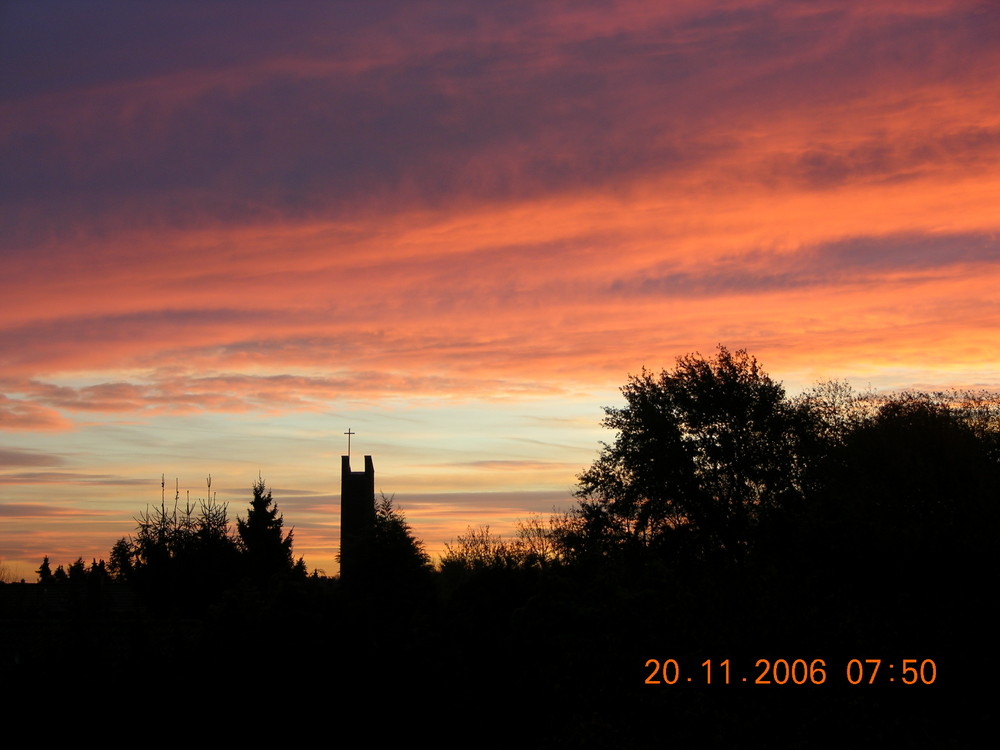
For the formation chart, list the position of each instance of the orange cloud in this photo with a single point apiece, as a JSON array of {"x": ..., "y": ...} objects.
[{"x": 16, "y": 414}]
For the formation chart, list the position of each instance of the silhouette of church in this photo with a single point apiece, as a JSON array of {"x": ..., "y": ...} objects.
[{"x": 357, "y": 517}]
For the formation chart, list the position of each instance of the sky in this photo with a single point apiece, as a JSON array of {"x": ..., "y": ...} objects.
[{"x": 232, "y": 231}]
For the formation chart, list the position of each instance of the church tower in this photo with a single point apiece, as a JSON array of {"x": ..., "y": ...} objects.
[{"x": 357, "y": 518}]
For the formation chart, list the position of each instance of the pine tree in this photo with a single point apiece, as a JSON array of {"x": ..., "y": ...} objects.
[
  {"x": 267, "y": 551},
  {"x": 45, "y": 571},
  {"x": 397, "y": 552},
  {"x": 121, "y": 565}
]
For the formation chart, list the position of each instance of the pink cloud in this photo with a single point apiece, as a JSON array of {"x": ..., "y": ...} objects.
[
  {"x": 537, "y": 203},
  {"x": 16, "y": 414}
]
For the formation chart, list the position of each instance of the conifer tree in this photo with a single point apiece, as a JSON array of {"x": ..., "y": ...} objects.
[
  {"x": 266, "y": 549},
  {"x": 45, "y": 571},
  {"x": 397, "y": 552}
]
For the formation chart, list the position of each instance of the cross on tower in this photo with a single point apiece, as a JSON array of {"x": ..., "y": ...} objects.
[{"x": 349, "y": 433}]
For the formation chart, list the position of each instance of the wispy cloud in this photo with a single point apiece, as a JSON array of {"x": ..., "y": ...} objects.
[
  {"x": 10, "y": 457},
  {"x": 67, "y": 477},
  {"x": 16, "y": 414},
  {"x": 40, "y": 510}
]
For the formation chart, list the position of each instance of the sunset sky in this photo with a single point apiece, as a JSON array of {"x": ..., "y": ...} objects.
[{"x": 233, "y": 230}]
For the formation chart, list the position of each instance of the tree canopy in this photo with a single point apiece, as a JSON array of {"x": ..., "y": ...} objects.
[{"x": 704, "y": 449}]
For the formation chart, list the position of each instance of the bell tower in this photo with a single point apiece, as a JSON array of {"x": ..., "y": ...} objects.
[{"x": 357, "y": 517}]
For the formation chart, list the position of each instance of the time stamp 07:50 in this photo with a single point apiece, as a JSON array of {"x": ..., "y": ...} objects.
[{"x": 794, "y": 672}]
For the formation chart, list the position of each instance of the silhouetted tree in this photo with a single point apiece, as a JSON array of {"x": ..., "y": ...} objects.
[
  {"x": 398, "y": 573},
  {"x": 266, "y": 549},
  {"x": 98, "y": 571},
  {"x": 702, "y": 453},
  {"x": 537, "y": 543},
  {"x": 77, "y": 571},
  {"x": 479, "y": 549},
  {"x": 913, "y": 483},
  {"x": 179, "y": 557},
  {"x": 120, "y": 563},
  {"x": 44, "y": 571},
  {"x": 395, "y": 548}
]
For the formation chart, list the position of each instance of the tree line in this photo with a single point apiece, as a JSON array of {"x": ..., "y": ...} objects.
[
  {"x": 712, "y": 462},
  {"x": 192, "y": 552},
  {"x": 727, "y": 520},
  {"x": 724, "y": 519}
]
